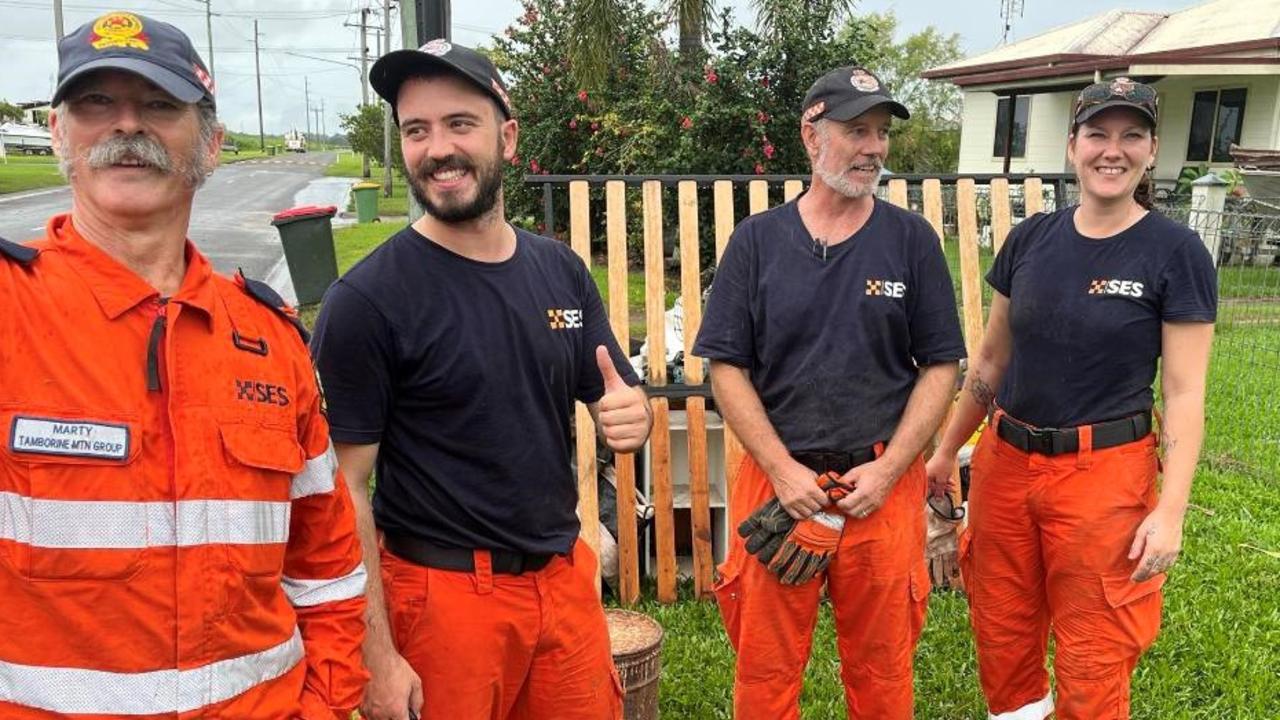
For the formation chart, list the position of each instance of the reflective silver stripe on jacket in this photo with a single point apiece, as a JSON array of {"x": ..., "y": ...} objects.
[
  {"x": 119, "y": 525},
  {"x": 307, "y": 593},
  {"x": 97, "y": 692},
  {"x": 317, "y": 477}
]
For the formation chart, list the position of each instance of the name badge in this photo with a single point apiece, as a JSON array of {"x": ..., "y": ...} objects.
[{"x": 75, "y": 438}]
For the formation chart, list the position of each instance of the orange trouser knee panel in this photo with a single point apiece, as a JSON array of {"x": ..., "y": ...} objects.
[
  {"x": 498, "y": 647},
  {"x": 878, "y": 587},
  {"x": 1047, "y": 547}
]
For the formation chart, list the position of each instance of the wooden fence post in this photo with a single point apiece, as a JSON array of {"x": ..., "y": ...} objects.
[{"x": 584, "y": 425}]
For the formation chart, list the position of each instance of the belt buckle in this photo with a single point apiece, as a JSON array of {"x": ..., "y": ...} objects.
[{"x": 1040, "y": 440}]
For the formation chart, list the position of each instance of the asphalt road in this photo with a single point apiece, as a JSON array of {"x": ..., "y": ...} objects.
[{"x": 231, "y": 221}]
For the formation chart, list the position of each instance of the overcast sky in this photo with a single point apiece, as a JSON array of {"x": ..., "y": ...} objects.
[{"x": 28, "y": 60}]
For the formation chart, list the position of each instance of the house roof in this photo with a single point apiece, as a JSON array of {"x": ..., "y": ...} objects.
[{"x": 1219, "y": 30}]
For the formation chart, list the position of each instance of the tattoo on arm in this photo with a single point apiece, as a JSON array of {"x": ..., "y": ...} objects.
[
  {"x": 982, "y": 392},
  {"x": 1167, "y": 442}
]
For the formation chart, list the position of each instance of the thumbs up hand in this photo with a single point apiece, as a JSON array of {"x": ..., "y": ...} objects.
[{"x": 623, "y": 412}]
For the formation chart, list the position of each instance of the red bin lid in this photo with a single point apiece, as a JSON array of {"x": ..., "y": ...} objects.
[{"x": 303, "y": 212}]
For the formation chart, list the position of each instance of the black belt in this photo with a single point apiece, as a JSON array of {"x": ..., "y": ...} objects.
[
  {"x": 1058, "y": 441},
  {"x": 421, "y": 552},
  {"x": 836, "y": 461}
]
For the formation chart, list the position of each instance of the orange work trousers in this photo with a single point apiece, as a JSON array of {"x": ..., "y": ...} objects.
[
  {"x": 878, "y": 587},
  {"x": 1047, "y": 550},
  {"x": 505, "y": 647}
]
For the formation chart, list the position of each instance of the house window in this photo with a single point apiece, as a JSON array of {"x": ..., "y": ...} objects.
[
  {"x": 1021, "y": 110},
  {"x": 1217, "y": 117}
]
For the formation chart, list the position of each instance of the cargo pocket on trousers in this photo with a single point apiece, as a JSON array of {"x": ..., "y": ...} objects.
[
  {"x": 1137, "y": 607},
  {"x": 920, "y": 587},
  {"x": 728, "y": 592}
]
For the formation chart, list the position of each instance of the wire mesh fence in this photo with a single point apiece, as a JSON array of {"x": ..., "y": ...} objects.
[{"x": 1244, "y": 382}]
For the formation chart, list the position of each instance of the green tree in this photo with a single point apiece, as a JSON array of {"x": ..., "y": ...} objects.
[
  {"x": 364, "y": 132},
  {"x": 930, "y": 140},
  {"x": 10, "y": 112}
]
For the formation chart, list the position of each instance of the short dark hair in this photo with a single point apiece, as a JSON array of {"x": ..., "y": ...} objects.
[{"x": 435, "y": 72}]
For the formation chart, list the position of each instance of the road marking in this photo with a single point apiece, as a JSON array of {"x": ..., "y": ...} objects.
[{"x": 24, "y": 196}]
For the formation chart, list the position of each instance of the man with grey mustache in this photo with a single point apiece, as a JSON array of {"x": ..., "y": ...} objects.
[
  {"x": 175, "y": 536},
  {"x": 834, "y": 340}
]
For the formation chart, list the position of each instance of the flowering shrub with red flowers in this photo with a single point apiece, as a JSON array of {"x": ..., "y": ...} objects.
[{"x": 735, "y": 110}]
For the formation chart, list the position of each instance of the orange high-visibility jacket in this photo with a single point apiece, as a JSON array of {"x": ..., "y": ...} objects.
[{"x": 175, "y": 539}]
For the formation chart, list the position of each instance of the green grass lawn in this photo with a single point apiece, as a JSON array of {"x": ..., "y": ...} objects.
[
  {"x": 29, "y": 172},
  {"x": 1217, "y": 655}
]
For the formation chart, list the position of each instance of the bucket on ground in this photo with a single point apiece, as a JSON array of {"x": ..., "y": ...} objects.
[
  {"x": 636, "y": 641},
  {"x": 366, "y": 195},
  {"x": 307, "y": 237}
]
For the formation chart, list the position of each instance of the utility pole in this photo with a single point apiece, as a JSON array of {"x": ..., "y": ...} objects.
[
  {"x": 319, "y": 115},
  {"x": 306, "y": 98},
  {"x": 257, "y": 71},
  {"x": 364, "y": 78},
  {"x": 420, "y": 21},
  {"x": 208, "y": 27},
  {"x": 57, "y": 19},
  {"x": 386, "y": 107}
]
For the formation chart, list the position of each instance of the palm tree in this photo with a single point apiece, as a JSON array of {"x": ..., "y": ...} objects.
[{"x": 592, "y": 22}]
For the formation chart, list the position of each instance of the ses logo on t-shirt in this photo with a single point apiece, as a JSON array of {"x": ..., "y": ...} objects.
[
  {"x": 1127, "y": 288},
  {"x": 564, "y": 319},
  {"x": 886, "y": 288}
]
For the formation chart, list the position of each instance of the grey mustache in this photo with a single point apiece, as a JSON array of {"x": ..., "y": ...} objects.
[{"x": 134, "y": 147}]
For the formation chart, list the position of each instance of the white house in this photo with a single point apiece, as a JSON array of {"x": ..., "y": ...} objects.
[{"x": 1216, "y": 67}]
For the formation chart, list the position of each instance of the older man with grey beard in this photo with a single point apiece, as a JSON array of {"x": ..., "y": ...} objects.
[
  {"x": 833, "y": 338},
  {"x": 175, "y": 536}
]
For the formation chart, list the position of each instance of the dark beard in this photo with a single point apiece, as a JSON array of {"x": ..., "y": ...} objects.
[{"x": 488, "y": 180}]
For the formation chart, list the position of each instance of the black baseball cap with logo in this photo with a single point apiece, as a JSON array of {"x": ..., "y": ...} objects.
[
  {"x": 847, "y": 92},
  {"x": 156, "y": 51},
  {"x": 395, "y": 67}
]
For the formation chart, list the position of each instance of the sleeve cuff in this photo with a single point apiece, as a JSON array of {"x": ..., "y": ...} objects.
[{"x": 355, "y": 437}]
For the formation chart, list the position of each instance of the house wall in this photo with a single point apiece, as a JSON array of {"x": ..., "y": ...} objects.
[
  {"x": 1261, "y": 122},
  {"x": 1047, "y": 127},
  {"x": 1051, "y": 116}
]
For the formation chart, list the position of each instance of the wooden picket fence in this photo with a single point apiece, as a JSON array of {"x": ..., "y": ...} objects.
[{"x": 695, "y": 405}]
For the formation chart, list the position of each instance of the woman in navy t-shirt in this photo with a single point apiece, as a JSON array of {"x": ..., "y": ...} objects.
[{"x": 1068, "y": 532}]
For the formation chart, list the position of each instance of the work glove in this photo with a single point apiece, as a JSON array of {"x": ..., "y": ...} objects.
[{"x": 796, "y": 551}]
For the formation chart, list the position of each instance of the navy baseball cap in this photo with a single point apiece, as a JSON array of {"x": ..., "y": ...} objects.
[
  {"x": 156, "y": 51},
  {"x": 847, "y": 92},
  {"x": 395, "y": 67}
]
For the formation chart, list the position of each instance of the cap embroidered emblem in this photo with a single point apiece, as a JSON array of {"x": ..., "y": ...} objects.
[
  {"x": 119, "y": 30},
  {"x": 501, "y": 93},
  {"x": 203, "y": 77},
  {"x": 438, "y": 46},
  {"x": 815, "y": 110},
  {"x": 1122, "y": 86},
  {"x": 864, "y": 81}
]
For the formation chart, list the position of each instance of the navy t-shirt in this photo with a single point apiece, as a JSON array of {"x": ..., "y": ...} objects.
[
  {"x": 1086, "y": 314},
  {"x": 466, "y": 373},
  {"x": 833, "y": 344}
]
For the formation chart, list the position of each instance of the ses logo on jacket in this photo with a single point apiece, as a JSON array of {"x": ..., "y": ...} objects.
[
  {"x": 1124, "y": 288},
  {"x": 564, "y": 319}
]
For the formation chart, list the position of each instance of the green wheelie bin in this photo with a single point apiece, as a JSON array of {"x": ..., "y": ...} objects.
[
  {"x": 366, "y": 194},
  {"x": 307, "y": 237}
]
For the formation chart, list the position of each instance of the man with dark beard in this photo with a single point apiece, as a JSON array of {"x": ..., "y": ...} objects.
[
  {"x": 175, "y": 538},
  {"x": 453, "y": 355}
]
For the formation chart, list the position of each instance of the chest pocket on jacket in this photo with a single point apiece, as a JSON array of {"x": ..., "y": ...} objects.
[
  {"x": 71, "y": 501},
  {"x": 260, "y": 463}
]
